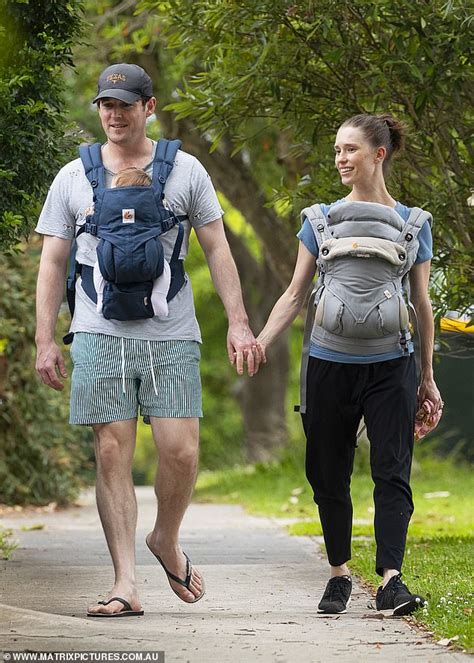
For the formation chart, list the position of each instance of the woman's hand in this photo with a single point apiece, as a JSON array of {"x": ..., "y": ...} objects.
[
  {"x": 261, "y": 350},
  {"x": 429, "y": 391}
]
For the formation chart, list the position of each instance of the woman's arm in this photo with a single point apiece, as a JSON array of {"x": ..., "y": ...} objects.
[
  {"x": 288, "y": 306},
  {"x": 419, "y": 280}
]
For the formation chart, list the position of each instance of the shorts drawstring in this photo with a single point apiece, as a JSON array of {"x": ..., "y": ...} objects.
[
  {"x": 152, "y": 371},
  {"x": 123, "y": 367}
]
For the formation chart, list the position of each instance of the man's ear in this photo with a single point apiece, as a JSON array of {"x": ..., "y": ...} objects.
[{"x": 150, "y": 106}]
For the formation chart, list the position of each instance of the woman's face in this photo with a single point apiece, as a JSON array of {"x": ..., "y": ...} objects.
[{"x": 356, "y": 160}]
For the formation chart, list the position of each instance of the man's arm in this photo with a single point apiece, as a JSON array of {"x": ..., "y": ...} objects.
[
  {"x": 419, "y": 280},
  {"x": 240, "y": 339},
  {"x": 49, "y": 295}
]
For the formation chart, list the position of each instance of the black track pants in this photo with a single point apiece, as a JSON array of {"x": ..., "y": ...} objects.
[{"x": 338, "y": 395}]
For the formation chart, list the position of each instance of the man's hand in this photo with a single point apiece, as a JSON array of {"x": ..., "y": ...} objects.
[
  {"x": 50, "y": 365},
  {"x": 242, "y": 347}
]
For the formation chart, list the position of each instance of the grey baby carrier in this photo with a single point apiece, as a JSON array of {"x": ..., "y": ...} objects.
[{"x": 361, "y": 298}]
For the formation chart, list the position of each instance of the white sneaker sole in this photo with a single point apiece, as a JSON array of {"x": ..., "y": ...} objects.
[
  {"x": 340, "y": 612},
  {"x": 408, "y": 607}
]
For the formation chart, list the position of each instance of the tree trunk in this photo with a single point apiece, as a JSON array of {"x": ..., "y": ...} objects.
[{"x": 262, "y": 397}]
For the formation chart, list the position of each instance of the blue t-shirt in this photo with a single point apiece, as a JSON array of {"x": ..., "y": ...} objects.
[{"x": 425, "y": 252}]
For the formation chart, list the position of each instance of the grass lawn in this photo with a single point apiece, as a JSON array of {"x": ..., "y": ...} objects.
[{"x": 438, "y": 562}]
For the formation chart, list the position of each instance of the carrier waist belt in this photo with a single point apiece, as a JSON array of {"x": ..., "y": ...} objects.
[{"x": 177, "y": 281}]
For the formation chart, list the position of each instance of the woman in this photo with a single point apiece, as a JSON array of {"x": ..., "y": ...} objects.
[{"x": 369, "y": 247}]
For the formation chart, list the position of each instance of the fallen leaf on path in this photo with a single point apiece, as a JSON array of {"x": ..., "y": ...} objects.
[{"x": 445, "y": 642}]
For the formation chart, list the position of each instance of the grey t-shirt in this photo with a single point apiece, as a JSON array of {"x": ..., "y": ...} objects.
[{"x": 188, "y": 190}]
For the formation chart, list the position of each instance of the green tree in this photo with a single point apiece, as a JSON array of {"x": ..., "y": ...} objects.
[
  {"x": 36, "y": 40},
  {"x": 41, "y": 458},
  {"x": 259, "y": 67}
]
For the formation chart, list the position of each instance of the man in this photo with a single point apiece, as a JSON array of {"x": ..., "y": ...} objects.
[{"x": 151, "y": 363}]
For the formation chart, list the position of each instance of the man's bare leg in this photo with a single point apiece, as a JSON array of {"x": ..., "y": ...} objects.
[
  {"x": 177, "y": 441},
  {"x": 117, "y": 506}
]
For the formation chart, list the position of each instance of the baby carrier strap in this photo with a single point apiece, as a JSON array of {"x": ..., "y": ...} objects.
[
  {"x": 163, "y": 162},
  {"x": 318, "y": 223},
  {"x": 308, "y": 326},
  {"x": 416, "y": 220},
  {"x": 91, "y": 157},
  {"x": 176, "y": 266}
]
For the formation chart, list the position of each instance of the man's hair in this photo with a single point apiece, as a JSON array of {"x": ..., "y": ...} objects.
[
  {"x": 131, "y": 177},
  {"x": 144, "y": 101}
]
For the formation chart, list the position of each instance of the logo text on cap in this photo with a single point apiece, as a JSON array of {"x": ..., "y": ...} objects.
[{"x": 113, "y": 78}]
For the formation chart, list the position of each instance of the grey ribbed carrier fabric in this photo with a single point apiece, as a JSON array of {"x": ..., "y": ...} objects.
[{"x": 359, "y": 303}]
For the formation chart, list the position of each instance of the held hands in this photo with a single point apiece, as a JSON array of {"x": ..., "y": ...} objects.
[
  {"x": 242, "y": 347},
  {"x": 50, "y": 365}
]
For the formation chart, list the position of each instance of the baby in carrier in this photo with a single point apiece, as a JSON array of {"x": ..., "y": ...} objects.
[{"x": 137, "y": 177}]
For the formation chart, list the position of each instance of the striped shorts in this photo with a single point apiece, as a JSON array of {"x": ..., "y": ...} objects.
[{"x": 115, "y": 378}]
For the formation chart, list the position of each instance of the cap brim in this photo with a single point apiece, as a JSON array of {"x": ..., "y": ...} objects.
[{"x": 121, "y": 95}]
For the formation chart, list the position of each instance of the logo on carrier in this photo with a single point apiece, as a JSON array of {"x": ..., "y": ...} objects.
[{"x": 128, "y": 216}]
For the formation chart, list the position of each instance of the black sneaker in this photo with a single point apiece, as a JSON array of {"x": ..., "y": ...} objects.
[
  {"x": 336, "y": 596},
  {"x": 397, "y": 597}
]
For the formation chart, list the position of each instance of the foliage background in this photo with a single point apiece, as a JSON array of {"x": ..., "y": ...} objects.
[
  {"x": 263, "y": 85},
  {"x": 303, "y": 68},
  {"x": 266, "y": 84},
  {"x": 41, "y": 458},
  {"x": 36, "y": 39}
]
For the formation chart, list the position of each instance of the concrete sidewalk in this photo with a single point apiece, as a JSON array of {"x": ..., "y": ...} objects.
[{"x": 262, "y": 591}]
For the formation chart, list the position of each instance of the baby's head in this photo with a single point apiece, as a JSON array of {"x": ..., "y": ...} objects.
[{"x": 131, "y": 177}]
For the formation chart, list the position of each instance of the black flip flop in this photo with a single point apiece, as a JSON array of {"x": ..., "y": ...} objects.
[
  {"x": 184, "y": 583},
  {"x": 125, "y": 612}
]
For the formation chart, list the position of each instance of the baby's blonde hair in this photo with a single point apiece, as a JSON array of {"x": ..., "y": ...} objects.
[{"x": 131, "y": 177}]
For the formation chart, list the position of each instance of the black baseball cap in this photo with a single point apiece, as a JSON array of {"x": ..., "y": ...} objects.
[{"x": 126, "y": 82}]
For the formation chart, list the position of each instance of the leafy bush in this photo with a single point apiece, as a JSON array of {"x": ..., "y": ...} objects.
[
  {"x": 42, "y": 458},
  {"x": 36, "y": 40}
]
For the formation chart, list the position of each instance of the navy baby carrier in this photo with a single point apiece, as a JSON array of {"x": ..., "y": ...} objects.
[{"x": 129, "y": 222}]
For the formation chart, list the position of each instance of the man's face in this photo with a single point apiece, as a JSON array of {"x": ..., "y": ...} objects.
[{"x": 123, "y": 123}]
